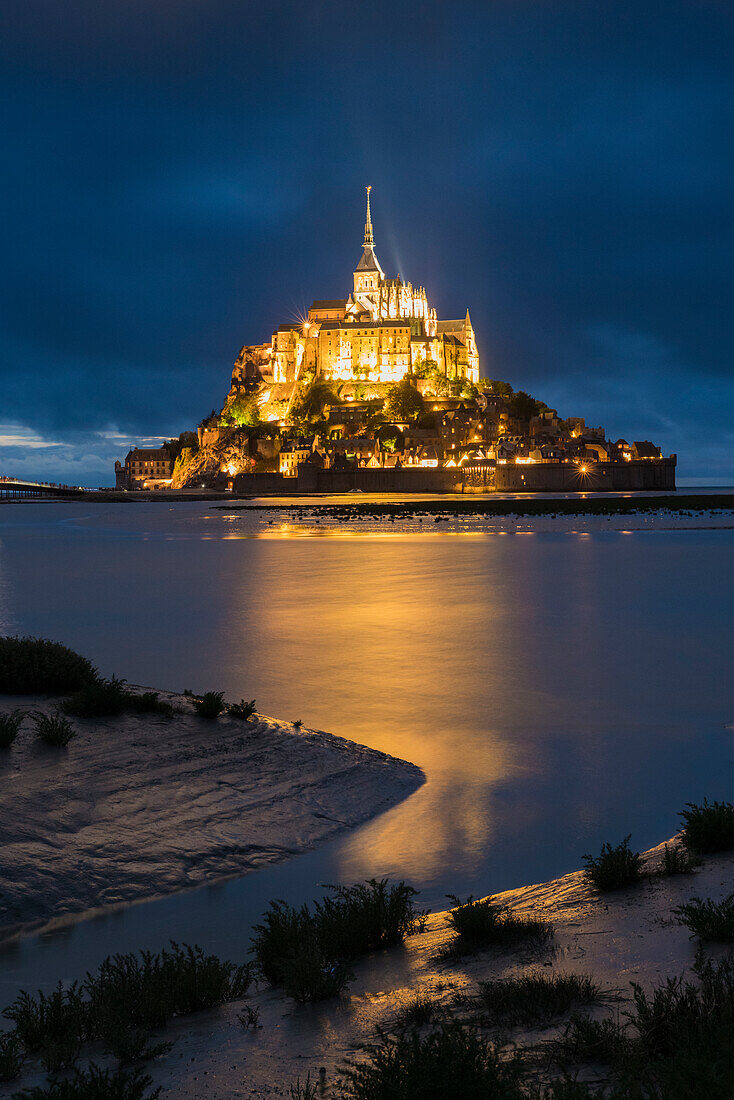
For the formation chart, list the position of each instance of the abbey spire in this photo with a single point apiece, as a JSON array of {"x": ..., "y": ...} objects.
[
  {"x": 368, "y": 274},
  {"x": 369, "y": 239}
]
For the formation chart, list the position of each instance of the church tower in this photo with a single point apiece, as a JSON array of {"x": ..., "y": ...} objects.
[{"x": 368, "y": 276}]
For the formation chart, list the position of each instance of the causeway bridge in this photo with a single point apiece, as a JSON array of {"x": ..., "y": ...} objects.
[{"x": 12, "y": 488}]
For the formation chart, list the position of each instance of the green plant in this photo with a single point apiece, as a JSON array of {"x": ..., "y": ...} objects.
[
  {"x": 676, "y": 861},
  {"x": 249, "y": 1018},
  {"x": 209, "y": 705},
  {"x": 30, "y": 666},
  {"x": 306, "y": 1091},
  {"x": 306, "y": 951},
  {"x": 298, "y": 724},
  {"x": 128, "y": 1044},
  {"x": 614, "y": 867},
  {"x": 11, "y": 1057},
  {"x": 452, "y": 1061},
  {"x": 534, "y": 998},
  {"x": 481, "y": 922},
  {"x": 95, "y": 1084},
  {"x": 243, "y": 710},
  {"x": 419, "y": 1011},
  {"x": 707, "y": 919},
  {"x": 708, "y": 827},
  {"x": 568, "y": 1088},
  {"x": 148, "y": 702},
  {"x": 98, "y": 699},
  {"x": 54, "y": 729},
  {"x": 9, "y": 726},
  {"x": 586, "y": 1039}
]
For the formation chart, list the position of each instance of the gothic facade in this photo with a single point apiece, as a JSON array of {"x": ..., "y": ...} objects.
[{"x": 382, "y": 331}]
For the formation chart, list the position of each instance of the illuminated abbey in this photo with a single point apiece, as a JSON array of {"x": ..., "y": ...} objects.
[{"x": 382, "y": 331}]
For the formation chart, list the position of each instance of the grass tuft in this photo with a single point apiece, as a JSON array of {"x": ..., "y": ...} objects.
[
  {"x": 707, "y": 919},
  {"x": 35, "y": 666},
  {"x": 481, "y": 922},
  {"x": 614, "y": 867},
  {"x": 95, "y": 1084},
  {"x": 209, "y": 705},
  {"x": 307, "y": 951},
  {"x": 307, "y": 1091},
  {"x": 122, "y": 1001},
  {"x": 11, "y": 1057},
  {"x": 98, "y": 699},
  {"x": 419, "y": 1011},
  {"x": 9, "y": 727},
  {"x": 243, "y": 710},
  {"x": 676, "y": 861},
  {"x": 535, "y": 998},
  {"x": 148, "y": 702},
  {"x": 708, "y": 827},
  {"x": 452, "y": 1061},
  {"x": 587, "y": 1040},
  {"x": 54, "y": 729}
]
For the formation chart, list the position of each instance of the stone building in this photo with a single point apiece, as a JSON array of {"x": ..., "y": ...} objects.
[
  {"x": 382, "y": 330},
  {"x": 145, "y": 468}
]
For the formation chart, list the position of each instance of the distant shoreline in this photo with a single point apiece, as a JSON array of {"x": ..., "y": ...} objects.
[{"x": 473, "y": 506}]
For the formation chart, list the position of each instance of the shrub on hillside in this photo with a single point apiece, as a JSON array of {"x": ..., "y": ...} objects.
[
  {"x": 243, "y": 710},
  {"x": 614, "y": 867},
  {"x": 30, "y": 666}
]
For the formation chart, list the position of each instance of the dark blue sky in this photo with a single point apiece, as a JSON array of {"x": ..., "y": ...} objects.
[{"x": 181, "y": 176}]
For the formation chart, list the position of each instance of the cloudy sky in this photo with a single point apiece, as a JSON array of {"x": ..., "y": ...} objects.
[{"x": 182, "y": 176}]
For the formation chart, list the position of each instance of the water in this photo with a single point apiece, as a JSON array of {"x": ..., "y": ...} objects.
[{"x": 561, "y": 682}]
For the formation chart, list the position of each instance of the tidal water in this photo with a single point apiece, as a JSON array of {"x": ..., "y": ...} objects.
[{"x": 561, "y": 682}]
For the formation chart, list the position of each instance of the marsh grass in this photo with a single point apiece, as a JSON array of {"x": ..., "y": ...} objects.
[
  {"x": 707, "y": 919},
  {"x": 209, "y": 705},
  {"x": 243, "y": 710},
  {"x": 126, "y": 998},
  {"x": 9, "y": 727},
  {"x": 535, "y": 998},
  {"x": 11, "y": 1057},
  {"x": 95, "y": 1084},
  {"x": 677, "y": 861},
  {"x": 677, "y": 1043},
  {"x": 419, "y": 1011},
  {"x": 148, "y": 702},
  {"x": 305, "y": 1091},
  {"x": 98, "y": 699},
  {"x": 307, "y": 951},
  {"x": 615, "y": 867},
  {"x": 708, "y": 827},
  {"x": 482, "y": 923},
  {"x": 454, "y": 1060},
  {"x": 588, "y": 1040},
  {"x": 35, "y": 666},
  {"x": 53, "y": 729},
  {"x": 249, "y": 1018}
]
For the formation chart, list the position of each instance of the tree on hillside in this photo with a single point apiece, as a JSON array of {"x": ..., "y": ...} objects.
[
  {"x": 242, "y": 411},
  {"x": 310, "y": 404},
  {"x": 403, "y": 402},
  {"x": 522, "y": 406},
  {"x": 504, "y": 389}
]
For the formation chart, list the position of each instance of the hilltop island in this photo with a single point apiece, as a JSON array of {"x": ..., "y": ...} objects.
[{"x": 374, "y": 392}]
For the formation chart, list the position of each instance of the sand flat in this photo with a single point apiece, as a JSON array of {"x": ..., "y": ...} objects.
[{"x": 139, "y": 806}]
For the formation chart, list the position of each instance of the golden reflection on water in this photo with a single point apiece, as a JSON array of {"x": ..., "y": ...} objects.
[{"x": 401, "y": 647}]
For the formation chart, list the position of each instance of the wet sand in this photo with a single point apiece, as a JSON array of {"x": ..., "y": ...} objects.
[{"x": 138, "y": 806}]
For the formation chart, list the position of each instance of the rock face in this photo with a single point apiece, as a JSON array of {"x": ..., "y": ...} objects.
[{"x": 224, "y": 453}]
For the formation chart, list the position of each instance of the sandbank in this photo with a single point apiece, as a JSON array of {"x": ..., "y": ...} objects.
[{"x": 138, "y": 806}]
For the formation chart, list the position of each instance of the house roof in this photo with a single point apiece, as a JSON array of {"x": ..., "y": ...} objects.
[
  {"x": 329, "y": 303},
  {"x": 148, "y": 454}
]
